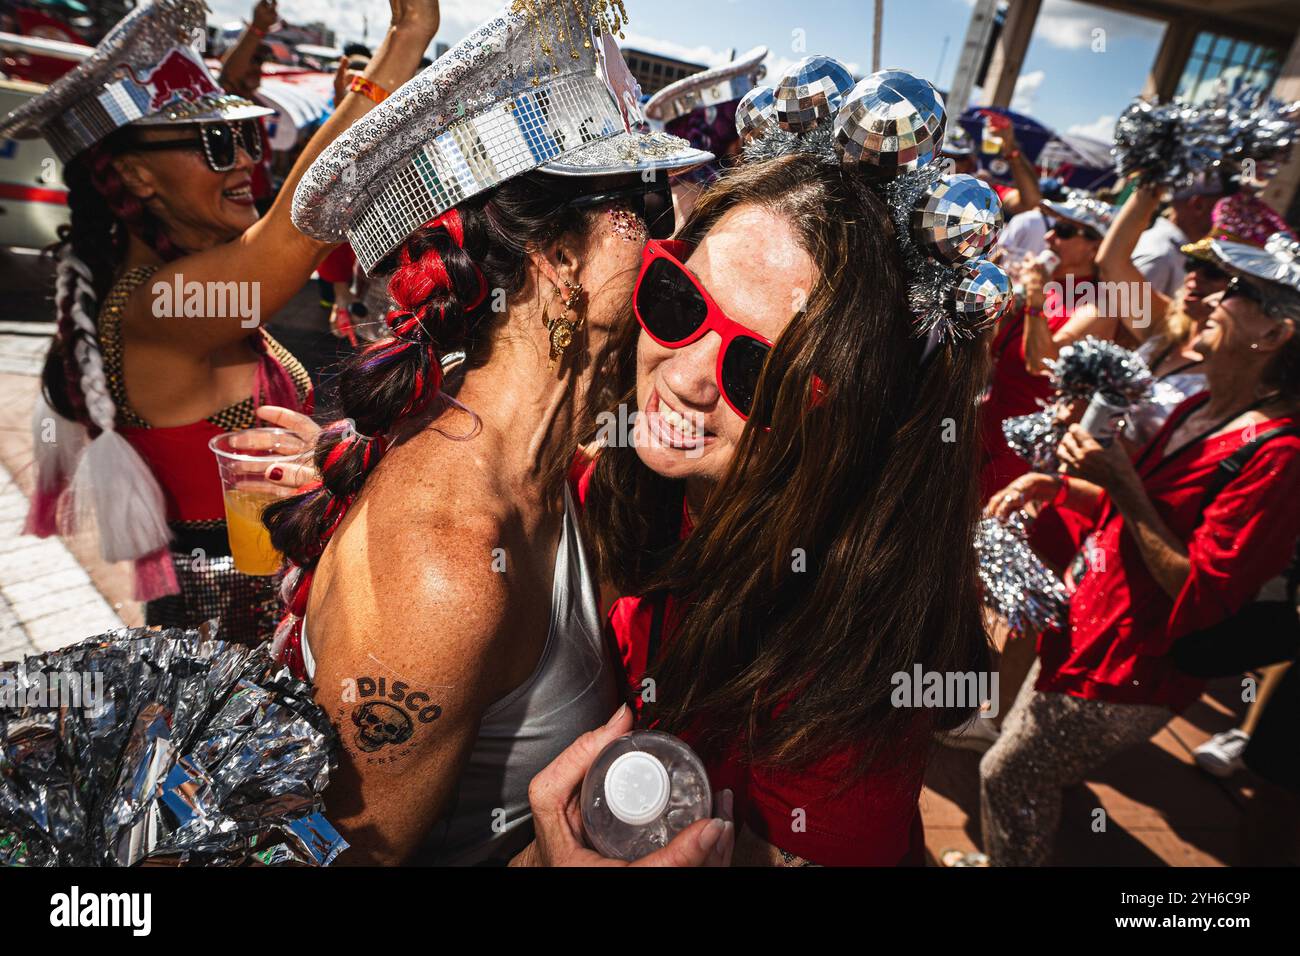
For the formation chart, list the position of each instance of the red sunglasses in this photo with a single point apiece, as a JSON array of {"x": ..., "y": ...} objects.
[{"x": 675, "y": 311}]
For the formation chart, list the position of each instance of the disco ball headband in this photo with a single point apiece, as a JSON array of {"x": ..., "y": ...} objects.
[{"x": 889, "y": 128}]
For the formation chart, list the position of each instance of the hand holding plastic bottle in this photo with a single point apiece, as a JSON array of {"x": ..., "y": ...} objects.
[{"x": 555, "y": 796}]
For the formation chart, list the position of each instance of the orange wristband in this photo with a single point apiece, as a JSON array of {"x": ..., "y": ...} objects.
[{"x": 371, "y": 91}]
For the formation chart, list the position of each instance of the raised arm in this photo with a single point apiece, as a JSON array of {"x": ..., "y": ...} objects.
[
  {"x": 1115, "y": 260},
  {"x": 239, "y": 58},
  {"x": 1027, "y": 194},
  {"x": 272, "y": 253}
]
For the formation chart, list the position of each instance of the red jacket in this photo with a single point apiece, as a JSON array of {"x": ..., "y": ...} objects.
[{"x": 1121, "y": 622}]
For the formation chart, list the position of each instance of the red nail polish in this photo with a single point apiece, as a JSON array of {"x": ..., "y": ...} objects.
[{"x": 276, "y": 473}]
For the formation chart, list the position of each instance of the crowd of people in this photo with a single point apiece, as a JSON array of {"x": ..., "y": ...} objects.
[{"x": 514, "y": 253}]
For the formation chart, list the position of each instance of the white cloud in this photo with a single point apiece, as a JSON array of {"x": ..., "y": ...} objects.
[
  {"x": 1102, "y": 128},
  {"x": 1027, "y": 86}
]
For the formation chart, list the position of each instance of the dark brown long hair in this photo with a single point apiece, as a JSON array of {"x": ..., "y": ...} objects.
[{"x": 873, "y": 487}]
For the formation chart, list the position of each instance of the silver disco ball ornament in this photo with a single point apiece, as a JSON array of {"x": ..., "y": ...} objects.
[
  {"x": 980, "y": 295},
  {"x": 810, "y": 92},
  {"x": 893, "y": 121},
  {"x": 755, "y": 113},
  {"x": 957, "y": 218}
]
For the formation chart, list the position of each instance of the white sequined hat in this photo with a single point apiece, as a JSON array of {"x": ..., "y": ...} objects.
[
  {"x": 723, "y": 84},
  {"x": 1083, "y": 211},
  {"x": 540, "y": 86},
  {"x": 146, "y": 71},
  {"x": 1278, "y": 261}
]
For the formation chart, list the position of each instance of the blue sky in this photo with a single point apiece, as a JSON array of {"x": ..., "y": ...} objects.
[{"x": 1065, "y": 82}]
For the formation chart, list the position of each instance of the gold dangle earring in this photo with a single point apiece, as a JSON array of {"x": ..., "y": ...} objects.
[{"x": 563, "y": 326}]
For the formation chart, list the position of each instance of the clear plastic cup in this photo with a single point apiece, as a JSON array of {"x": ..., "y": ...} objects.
[{"x": 242, "y": 460}]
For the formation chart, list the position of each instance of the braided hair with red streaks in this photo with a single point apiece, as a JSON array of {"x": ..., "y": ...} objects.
[{"x": 444, "y": 280}]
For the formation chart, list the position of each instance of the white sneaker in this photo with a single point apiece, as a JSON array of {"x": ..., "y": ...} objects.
[
  {"x": 977, "y": 734},
  {"x": 1221, "y": 754}
]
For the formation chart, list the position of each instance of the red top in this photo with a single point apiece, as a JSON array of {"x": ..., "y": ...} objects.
[
  {"x": 1121, "y": 622},
  {"x": 1012, "y": 391},
  {"x": 178, "y": 455},
  {"x": 828, "y": 812},
  {"x": 337, "y": 266}
]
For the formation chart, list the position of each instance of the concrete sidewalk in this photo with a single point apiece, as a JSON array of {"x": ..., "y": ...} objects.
[{"x": 52, "y": 592}]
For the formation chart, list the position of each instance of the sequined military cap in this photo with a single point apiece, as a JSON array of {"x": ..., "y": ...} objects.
[
  {"x": 539, "y": 86},
  {"x": 146, "y": 71}
]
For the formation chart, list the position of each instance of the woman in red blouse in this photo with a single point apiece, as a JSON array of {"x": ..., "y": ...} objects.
[
  {"x": 1173, "y": 549},
  {"x": 790, "y": 545}
]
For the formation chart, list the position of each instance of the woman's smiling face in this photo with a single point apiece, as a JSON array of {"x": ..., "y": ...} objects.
[{"x": 756, "y": 271}]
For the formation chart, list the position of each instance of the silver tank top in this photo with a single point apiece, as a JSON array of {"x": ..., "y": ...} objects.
[{"x": 572, "y": 690}]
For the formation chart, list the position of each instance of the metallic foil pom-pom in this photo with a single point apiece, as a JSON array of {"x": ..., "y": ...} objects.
[
  {"x": 957, "y": 218},
  {"x": 980, "y": 295},
  {"x": 810, "y": 92},
  {"x": 893, "y": 121},
  {"x": 1017, "y": 584},
  {"x": 755, "y": 113},
  {"x": 1092, "y": 365}
]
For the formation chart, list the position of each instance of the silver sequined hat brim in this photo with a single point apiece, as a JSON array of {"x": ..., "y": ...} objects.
[
  {"x": 100, "y": 94},
  {"x": 1278, "y": 261},
  {"x": 722, "y": 84},
  {"x": 1091, "y": 213},
  {"x": 491, "y": 108}
]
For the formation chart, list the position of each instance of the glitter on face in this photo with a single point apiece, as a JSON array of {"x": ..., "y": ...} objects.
[{"x": 626, "y": 224}]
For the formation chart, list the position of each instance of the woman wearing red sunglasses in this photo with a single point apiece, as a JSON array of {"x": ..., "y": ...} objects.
[{"x": 788, "y": 515}]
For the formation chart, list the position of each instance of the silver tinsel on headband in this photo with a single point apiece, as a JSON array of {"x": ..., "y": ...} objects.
[
  {"x": 1094, "y": 365},
  {"x": 1017, "y": 585},
  {"x": 199, "y": 751}
]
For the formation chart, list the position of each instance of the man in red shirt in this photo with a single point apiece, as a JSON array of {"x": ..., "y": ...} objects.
[{"x": 1177, "y": 544}]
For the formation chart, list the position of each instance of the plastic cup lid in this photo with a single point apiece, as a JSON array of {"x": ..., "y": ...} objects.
[{"x": 636, "y": 788}]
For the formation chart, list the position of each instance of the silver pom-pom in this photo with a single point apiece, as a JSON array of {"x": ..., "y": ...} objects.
[
  {"x": 1017, "y": 584},
  {"x": 957, "y": 218},
  {"x": 810, "y": 92},
  {"x": 1094, "y": 365},
  {"x": 1176, "y": 144},
  {"x": 1035, "y": 437},
  {"x": 892, "y": 121},
  {"x": 755, "y": 113}
]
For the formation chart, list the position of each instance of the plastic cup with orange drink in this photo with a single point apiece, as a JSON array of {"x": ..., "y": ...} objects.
[{"x": 242, "y": 460}]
